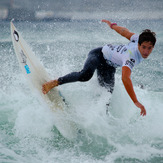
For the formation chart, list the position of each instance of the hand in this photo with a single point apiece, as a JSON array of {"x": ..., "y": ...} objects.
[
  {"x": 107, "y": 21},
  {"x": 46, "y": 87},
  {"x": 142, "y": 108}
]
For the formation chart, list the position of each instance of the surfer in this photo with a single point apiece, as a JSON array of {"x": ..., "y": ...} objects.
[{"x": 107, "y": 58}]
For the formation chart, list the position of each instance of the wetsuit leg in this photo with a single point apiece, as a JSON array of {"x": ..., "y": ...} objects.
[
  {"x": 91, "y": 64},
  {"x": 106, "y": 75},
  {"x": 95, "y": 60}
]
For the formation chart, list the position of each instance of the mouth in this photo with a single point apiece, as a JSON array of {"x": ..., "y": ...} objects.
[{"x": 145, "y": 55}]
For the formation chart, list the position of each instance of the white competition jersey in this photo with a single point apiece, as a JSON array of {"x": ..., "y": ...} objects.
[{"x": 123, "y": 55}]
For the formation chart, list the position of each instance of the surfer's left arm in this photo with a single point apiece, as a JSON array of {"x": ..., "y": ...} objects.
[
  {"x": 126, "y": 73},
  {"x": 119, "y": 29}
]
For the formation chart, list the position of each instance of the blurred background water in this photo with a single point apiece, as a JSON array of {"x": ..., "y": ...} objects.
[{"x": 62, "y": 41}]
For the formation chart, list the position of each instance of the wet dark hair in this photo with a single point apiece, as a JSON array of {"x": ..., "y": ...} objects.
[{"x": 148, "y": 36}]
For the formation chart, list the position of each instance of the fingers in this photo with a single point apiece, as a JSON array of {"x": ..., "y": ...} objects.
[
  {"x": 142, "y": 108},
  {"x": 106, "y": 21},
  {"x": 103, "y": 20},
  {"x": 143, "y": 112}
]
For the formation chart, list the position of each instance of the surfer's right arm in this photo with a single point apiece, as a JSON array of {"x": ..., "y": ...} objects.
[
  {"x": 126, "y": 73},
  {"x": 121, "y": 30}
]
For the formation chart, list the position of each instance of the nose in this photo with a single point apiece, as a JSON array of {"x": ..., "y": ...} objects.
[{"x": 146, "y": 51}]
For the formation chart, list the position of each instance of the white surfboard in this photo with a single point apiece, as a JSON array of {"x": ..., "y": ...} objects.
[
  {"x": 33, "y": 69},
  {"x": 37, "y": 75}
]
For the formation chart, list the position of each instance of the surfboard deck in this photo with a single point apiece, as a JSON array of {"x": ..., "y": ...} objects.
[
  {"x": 37, "y": 75},
  {"x": 33, "y": 69}
]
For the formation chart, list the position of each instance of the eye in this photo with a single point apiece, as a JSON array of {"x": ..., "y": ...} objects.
[{"x": 149, "y": 48}]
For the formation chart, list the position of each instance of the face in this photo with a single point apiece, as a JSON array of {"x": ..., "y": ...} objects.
[{"x": 145, "y": 49}]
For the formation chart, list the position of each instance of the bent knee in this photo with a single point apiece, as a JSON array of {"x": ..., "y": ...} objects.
[{"x": 85, "y": 76}]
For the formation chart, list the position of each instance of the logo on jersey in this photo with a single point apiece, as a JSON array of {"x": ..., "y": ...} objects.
[
  {"x": 132, "y": 60},
  {"x": 130, "y": 63}
]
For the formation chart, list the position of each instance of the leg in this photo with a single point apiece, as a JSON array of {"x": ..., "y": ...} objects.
[
  {"x": 85, "y": 74},
  {"x": 105, "y": 75},
  {"x": 88, "y": 70}
]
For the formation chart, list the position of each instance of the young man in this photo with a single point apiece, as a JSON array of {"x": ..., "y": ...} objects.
[{"x": 106, "y": 59}]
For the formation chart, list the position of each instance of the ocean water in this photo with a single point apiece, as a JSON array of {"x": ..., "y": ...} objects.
[{"x": 28, "y": 132}]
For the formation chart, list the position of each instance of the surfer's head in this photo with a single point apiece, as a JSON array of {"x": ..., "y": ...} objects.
[
  {"x": 146, "y": 43},
  {"x": 147, "y": 36}
]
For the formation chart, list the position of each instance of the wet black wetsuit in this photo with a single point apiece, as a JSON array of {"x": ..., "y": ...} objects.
[{"x": 95, "y": 61}]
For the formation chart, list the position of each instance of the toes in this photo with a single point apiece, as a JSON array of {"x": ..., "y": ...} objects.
[{"x": 43, "y": 89}]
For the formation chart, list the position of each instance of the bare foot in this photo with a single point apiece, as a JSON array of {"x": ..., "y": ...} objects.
[{"x": 46, "y": 87}]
